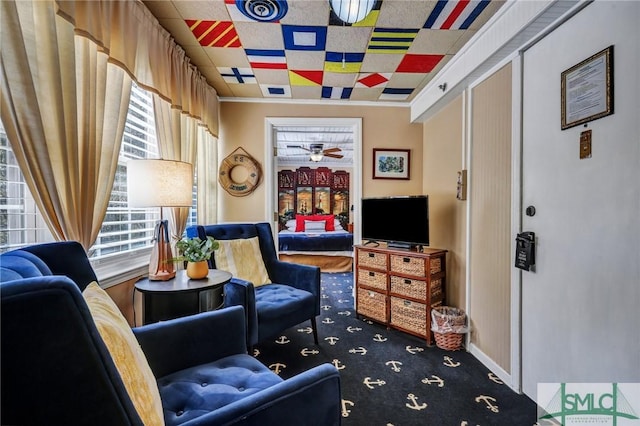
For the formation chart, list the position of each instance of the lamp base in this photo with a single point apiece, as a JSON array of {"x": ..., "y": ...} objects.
[{"x": 161, "y": 266}]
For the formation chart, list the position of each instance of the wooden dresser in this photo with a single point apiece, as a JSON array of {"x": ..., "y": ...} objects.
[{"x": 398, "y": 287}]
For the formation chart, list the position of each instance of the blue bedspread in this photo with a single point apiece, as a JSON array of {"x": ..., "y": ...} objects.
[{"x": 299, "y": 241}]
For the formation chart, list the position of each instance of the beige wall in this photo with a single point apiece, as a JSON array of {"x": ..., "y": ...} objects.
[
  {"x": 242, "y": 124},
  {"x": 443, "y": 158}
]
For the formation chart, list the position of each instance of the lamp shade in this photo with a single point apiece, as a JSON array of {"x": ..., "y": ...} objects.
[
  {"x": 159, "y": 183},
  {"x": 316, "y": 156},
  {"x": 352, "y": 11}
]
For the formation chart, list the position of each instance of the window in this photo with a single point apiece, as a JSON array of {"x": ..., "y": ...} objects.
[{"x": 124, "y": 230}]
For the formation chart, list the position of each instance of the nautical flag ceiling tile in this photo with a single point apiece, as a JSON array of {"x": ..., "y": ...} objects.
[
  {"x": 343, "y": 62},
  {"x": 370, "y": 80},
  {"x": 391, "y": 40},
  {"x": 454, "y": 14},
  {"x": 304, "y": 37},
  {"x": 305, "y": 77},
  {"x": 275, "y": 90},
  {"x": 336, "y": 92},
  {"x": 237, "y": 75},
  {"x": 419, "y": 63},
  {"x": 267, "y": 59},
  {"x": 260, "y": 35},
  {"x": 395, "y": 94},
  {"x": 300, "y": 44},
  {"x": 214, "y": 33}
]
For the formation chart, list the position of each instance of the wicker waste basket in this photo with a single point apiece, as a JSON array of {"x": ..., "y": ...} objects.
[{"x": 449, "y": 325}]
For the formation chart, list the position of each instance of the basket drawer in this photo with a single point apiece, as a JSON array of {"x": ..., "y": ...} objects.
[
  {"x": 372, "y": 304},
  {"x": 407, "y": 265},
  {"x": 372, "y": 259},
  {"x": 373, "y": 279},
  {"x": 416, "y": 289},
  {"x": 436, "y": 291},
  {"x": 435, "y": 265},
  {"x": 411, "y": 316}
]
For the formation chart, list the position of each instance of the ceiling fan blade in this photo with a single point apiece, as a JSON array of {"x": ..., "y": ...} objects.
[
  {"x": 333, "y": 155},
  {"x": 332, "y": 150}
]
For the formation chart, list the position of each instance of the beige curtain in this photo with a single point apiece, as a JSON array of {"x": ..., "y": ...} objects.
[
  {"x": 207, "y": 178},
  {"x": 177, "y": 135},
  {"x": 63, "y": 106},
  {"x": 134, "y": 38}
]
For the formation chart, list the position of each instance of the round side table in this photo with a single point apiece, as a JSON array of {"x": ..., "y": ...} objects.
[{"x": 181, "y": 296}]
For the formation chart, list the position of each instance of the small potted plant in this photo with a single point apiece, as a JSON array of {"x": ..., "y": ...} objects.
[{"x": 196, "y": 253}]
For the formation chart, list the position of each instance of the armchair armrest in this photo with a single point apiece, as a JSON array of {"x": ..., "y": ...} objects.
[
  {"x": 309, "y": 398},
  {"x": 193, "y": 340},
  {"x": 239, "y": 292}
]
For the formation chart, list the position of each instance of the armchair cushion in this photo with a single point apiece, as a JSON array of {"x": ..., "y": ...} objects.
[
  {"x": 243, "y": 259},
  {"x": 193, "y": 392},
  {"x": 127, "y": 355}
]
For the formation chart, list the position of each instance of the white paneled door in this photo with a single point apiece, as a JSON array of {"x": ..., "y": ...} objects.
[{"x": 580, "y": 306}]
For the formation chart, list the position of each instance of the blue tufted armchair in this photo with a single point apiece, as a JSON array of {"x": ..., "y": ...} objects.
[
  {"x": 292, "y": 297},
  {"x": 56, "y": 369}
]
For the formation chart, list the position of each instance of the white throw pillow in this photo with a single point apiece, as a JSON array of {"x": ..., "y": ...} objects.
[{"x": 314, "y": 225}]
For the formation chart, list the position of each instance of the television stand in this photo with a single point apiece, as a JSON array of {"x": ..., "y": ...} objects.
[{"x": 398, "y": 287}]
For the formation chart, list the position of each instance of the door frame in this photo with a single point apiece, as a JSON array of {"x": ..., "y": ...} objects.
[{"x": 271, "y": 167}]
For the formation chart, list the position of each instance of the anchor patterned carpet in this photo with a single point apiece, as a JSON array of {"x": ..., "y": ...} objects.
[{"x": 389, "y": 378}]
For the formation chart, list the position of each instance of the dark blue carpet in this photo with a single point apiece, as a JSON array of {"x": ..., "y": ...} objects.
[{"x": 391, "y": 378}]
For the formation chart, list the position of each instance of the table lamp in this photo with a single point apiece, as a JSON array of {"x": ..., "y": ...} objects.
[{"x": 160, "y": 183}]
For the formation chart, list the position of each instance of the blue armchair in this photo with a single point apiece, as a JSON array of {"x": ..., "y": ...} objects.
[
  {"x": 56, "y": 368},
  {"x": 292, "y": 297}
]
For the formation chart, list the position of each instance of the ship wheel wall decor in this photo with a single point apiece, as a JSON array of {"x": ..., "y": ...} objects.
[{"x": 242, "y": 159}]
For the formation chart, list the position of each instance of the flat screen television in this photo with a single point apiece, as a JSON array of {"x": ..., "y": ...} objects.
[{"x": 400, "y": 221}]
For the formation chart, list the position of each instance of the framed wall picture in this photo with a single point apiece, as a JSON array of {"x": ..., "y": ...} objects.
[
  {"x": 587, "y": 90},
  {"x": 391, "y": 163}
]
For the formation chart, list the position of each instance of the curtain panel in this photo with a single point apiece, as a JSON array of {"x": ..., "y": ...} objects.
[
  {"x": 64, "y": 107},
  {"x": 134, "y": 38},
  {"x": 177, "y": 136}
]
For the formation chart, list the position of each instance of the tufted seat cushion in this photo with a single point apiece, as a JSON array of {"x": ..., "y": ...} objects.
[
  {"x": 190, "y": 393},
  {"x": 278, "y": 300}
]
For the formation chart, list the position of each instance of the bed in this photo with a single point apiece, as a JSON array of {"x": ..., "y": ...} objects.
[{"x": 313, "y": 244}]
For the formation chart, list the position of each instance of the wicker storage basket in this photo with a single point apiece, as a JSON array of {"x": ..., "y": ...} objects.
[
  {"x": 372, "y": 259},
  {"x": 408, "y": 287},
  {"x": 372, "y": 304},
  {"x": 372, "y": 279},
  {"x": 407, "y": 265},
  {"x": 411, "y": 316},
  {"x": 449, "y": 326}
]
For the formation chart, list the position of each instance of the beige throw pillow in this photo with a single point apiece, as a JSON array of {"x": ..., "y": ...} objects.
[
  {"x": 243, "y": 259},
  {"x": 126, "y": 353}
]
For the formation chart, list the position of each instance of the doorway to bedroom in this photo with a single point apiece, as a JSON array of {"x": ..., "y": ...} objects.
[{"x": 315, "y": 190}]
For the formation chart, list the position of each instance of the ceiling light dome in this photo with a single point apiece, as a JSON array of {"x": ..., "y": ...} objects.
[{"x": 352, "y": 11}]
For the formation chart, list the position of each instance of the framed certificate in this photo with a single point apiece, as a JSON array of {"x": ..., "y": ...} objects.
[{"x": 587, "y": 89}]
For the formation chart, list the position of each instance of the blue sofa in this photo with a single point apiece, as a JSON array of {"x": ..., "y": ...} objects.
[
  {"x": 56, "y": 369},
  {"x": 292, "y": 297}
]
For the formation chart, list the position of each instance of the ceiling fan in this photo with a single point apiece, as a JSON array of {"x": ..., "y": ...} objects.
[{"x": 316, "y": 153}]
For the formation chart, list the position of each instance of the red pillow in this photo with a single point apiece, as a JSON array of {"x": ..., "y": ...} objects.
[{"x": 329, "y": 221}]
